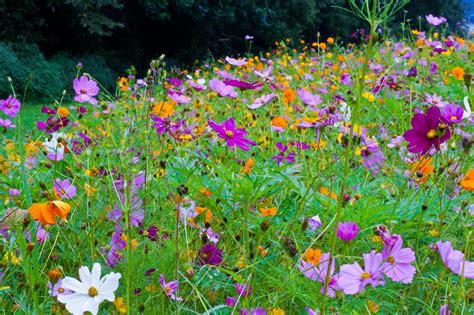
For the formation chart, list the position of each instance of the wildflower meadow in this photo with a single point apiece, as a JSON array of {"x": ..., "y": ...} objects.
[{"x": 321, "y": 177}]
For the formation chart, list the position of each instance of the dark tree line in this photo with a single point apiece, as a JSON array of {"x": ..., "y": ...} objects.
[{"x": 43, "y": 37}]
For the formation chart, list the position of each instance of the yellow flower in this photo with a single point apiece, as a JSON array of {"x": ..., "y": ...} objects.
[
  {"x": 119, "y": 305},
  {"x": 12, "y": 258},
  {"x": 123, "y": 84},
  {"x": 277, "y": 311},
  {"x": 90, "y": 191},
  {"x": 368, "y": 96}
]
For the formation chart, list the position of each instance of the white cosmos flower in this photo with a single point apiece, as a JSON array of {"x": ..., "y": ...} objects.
[
  {"x": 467, "y": 113},
  {"x": 90, "y": 291}
]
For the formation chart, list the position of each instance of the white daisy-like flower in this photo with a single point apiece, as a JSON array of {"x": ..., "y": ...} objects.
[{"x": 90, "y": 291}]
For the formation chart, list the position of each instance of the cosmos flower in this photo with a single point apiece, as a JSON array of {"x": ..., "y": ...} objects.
[
  {"x": 244, "y": 289},
  {"x": 347, "y": 231},
  {"x": 57, "y": 289},
  {"x": 46, "y": 213},
  {"x": 170, "y": 288},
  {"x": 236, "y": 62},
  {"x": 397, "y": 261},
  {"x": 318, "y": 272},
  {"x": 262, "y": 100},
  {"x": 314, "y": 223},
  {"x": 222, "y": 89},
  {"x": 434, "y": 20},
  {"x": 209, "y": 254},
  {"x": 309, "y": 98},
  {"x": 6, "y": 123},
  {"x": 86, "y": 89},
  {"x": 467, "y": 182},
  {"x": 11, "y": 106},
  {"x": 452, "y": 114},
  {"x": 353, "y": 279},
  {"x": 232, "y": 135},
  {"x": 243, "y": 85},
  {"x": 88, "y": 293},
  {"x": 179, "y": 98},
  {"x": 290, "y": 157},
  {"x": 454, "y": 260},
  {"x": 252, "y": 311},
  {"x": 428, "y": 130},
  {"x": 64, "y": 188}
]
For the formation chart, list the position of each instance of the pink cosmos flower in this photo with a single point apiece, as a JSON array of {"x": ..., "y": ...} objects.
[
  {"x": 14, "y": 192},
  {"x": 263, "y": 100},
  {"x": 319, "y": 272},
  {"x": 233, "y": 136},
  {"x": 398, "y": 260},
  {"x": 85, "y": 90},
  {"x": 435, "y": 20},
  {"x": 347, "y": 231},
  {"x": 11, "y": 106},
  {"x": 222, "y": 89},
  {"x": 179, "y": 98},
  {"x": 170, "y": 288},
  {"x": 64, "y": 188},
  {"x": 309, "y": 98},
  {"x": 452, "y": 113},
  {"x": 353, "y": 279},
  {"x": 236, "y": 62},
  {"x": 6, "y": 123},
  {"x": 454, "y": 260}
]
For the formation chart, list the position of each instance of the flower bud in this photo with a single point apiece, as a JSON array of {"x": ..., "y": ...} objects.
[{"x": 54, "y": 275}]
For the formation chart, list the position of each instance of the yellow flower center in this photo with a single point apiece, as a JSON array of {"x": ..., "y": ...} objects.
[
  {"x": 168, "y": 289},
  {"x": 454, "y": 118},
  {"x": 391, "y": 260},
  {"x": 61, "y": 290},
  {"x": 83, "y": 91},
  {"x": 92, "y": 292},
  {"x": 431, "y": 134},
  {"x": 365, "y": 275},
  {"x": 442, "y": 126},
  {"x": 229, "y": 133}
]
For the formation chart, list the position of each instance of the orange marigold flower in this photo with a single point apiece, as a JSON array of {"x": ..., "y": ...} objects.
[
  {"x": 63, "y": 111},
  {"x": 123, "y": 84},
  {"x": 46, "y": 213},
  {"x": 467, "y": 182},
  {"x": 312, "y": 255},
  {"x": 247, "y": 169},
  {"x": 208, "y": 212},
  {"x": 323, "y": 190},
  {"x": 289, "y": 96},
  {"x": 458, "y": 73},
  {"x": 164, "y": 109},
  {"x": 279, "y": 122},
  {"x": 268, "y": 212}
]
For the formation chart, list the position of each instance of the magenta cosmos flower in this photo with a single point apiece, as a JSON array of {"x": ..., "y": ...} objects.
[
  {"x": 398, "y": 261},
  {"x": 353, "y": 279},
  {"x": 209, "y": 254},
  {"x": 428, "y": 130},
  {"x": 85, "y": 90},
  {"x": 64, "y": 188},
  {"x": 170, "y": 288},
  {"x": 454, "y": 260},
  {"x": 347, "y": 231},
  {"x": 435, "y": 20},
  {"x": 11, "y": 106},
  {"x": 233, "y": 136},
  {"x": 452, "y": 113},
  {"x": 6, "y": 123}
]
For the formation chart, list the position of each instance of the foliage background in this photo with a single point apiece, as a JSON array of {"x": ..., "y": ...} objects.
[{"x": 42, "y": 40}]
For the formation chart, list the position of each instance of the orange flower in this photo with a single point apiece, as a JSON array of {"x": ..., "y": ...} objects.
[
  {"x": 312, "y": 255},
  {"x": 323, "y": 190},
  {"x": 164, "y": 109},
  {"x": 422, "y": 168},
  {"x": 268, "y": 212},
  {"x": 247, "y": 169},
  {"x": 123, "y": 84},
  {"x": 63, "y": 111},
  {"x": 46, "y": 213},
  {"x": 208, "y": 213},
  {"x": 467, "y": 182},
  {"x": 458, "y": 73},
  {"x": 279, "y": 122},
  {"x": 289, "y": 96}
]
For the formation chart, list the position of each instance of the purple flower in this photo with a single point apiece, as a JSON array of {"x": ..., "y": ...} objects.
[
  {"x": 398, "y": 260},
  {"x": 85, "y": 90},
  {"x": 11, "y": 106},
  {"x": 434, "y": 20},
  {"x": 444, "y": 310},
  {"x": 222, "y": 89},
  {"x": 412, "y": 72},
  {"x": 170, "y": 288},
  {"x": 243, "y": 289},
  {"x": 57, "y": 289},
  {"x": 64, "y": 188},
  {"x": 209, "y": 254},
  {"x": 253, "y": 311},
  {"x": 236, "y": 62},
  {"x": 242, "y": 85},
  {"x": 372, "y": 157},
  {"x": 452, "y": 113},
  {"x": 309, "y": 98},
  {"x": 180, "y": 99},
  {"x": 14, "y": 192},
  {"x": 454, "y": 260},
  {"x": 263, "y": 100},
  {"x": 230, "y": 301},
  {"x": 347, "y": 231},
  {"x": 248, "y": 37},
  {"x": 290, "y": 157},
  {"x": 6, "y": 123},
  {"x": 319, "y": 272},
  {"x": 314, "y": 223},
  {"x": 345, "y": 79},
  {"x": 52, "y": 125},
  {"x": 352, "y": 279},
  {"x": 233, "y": 137},
  {"x": 427, "y": 130}
]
